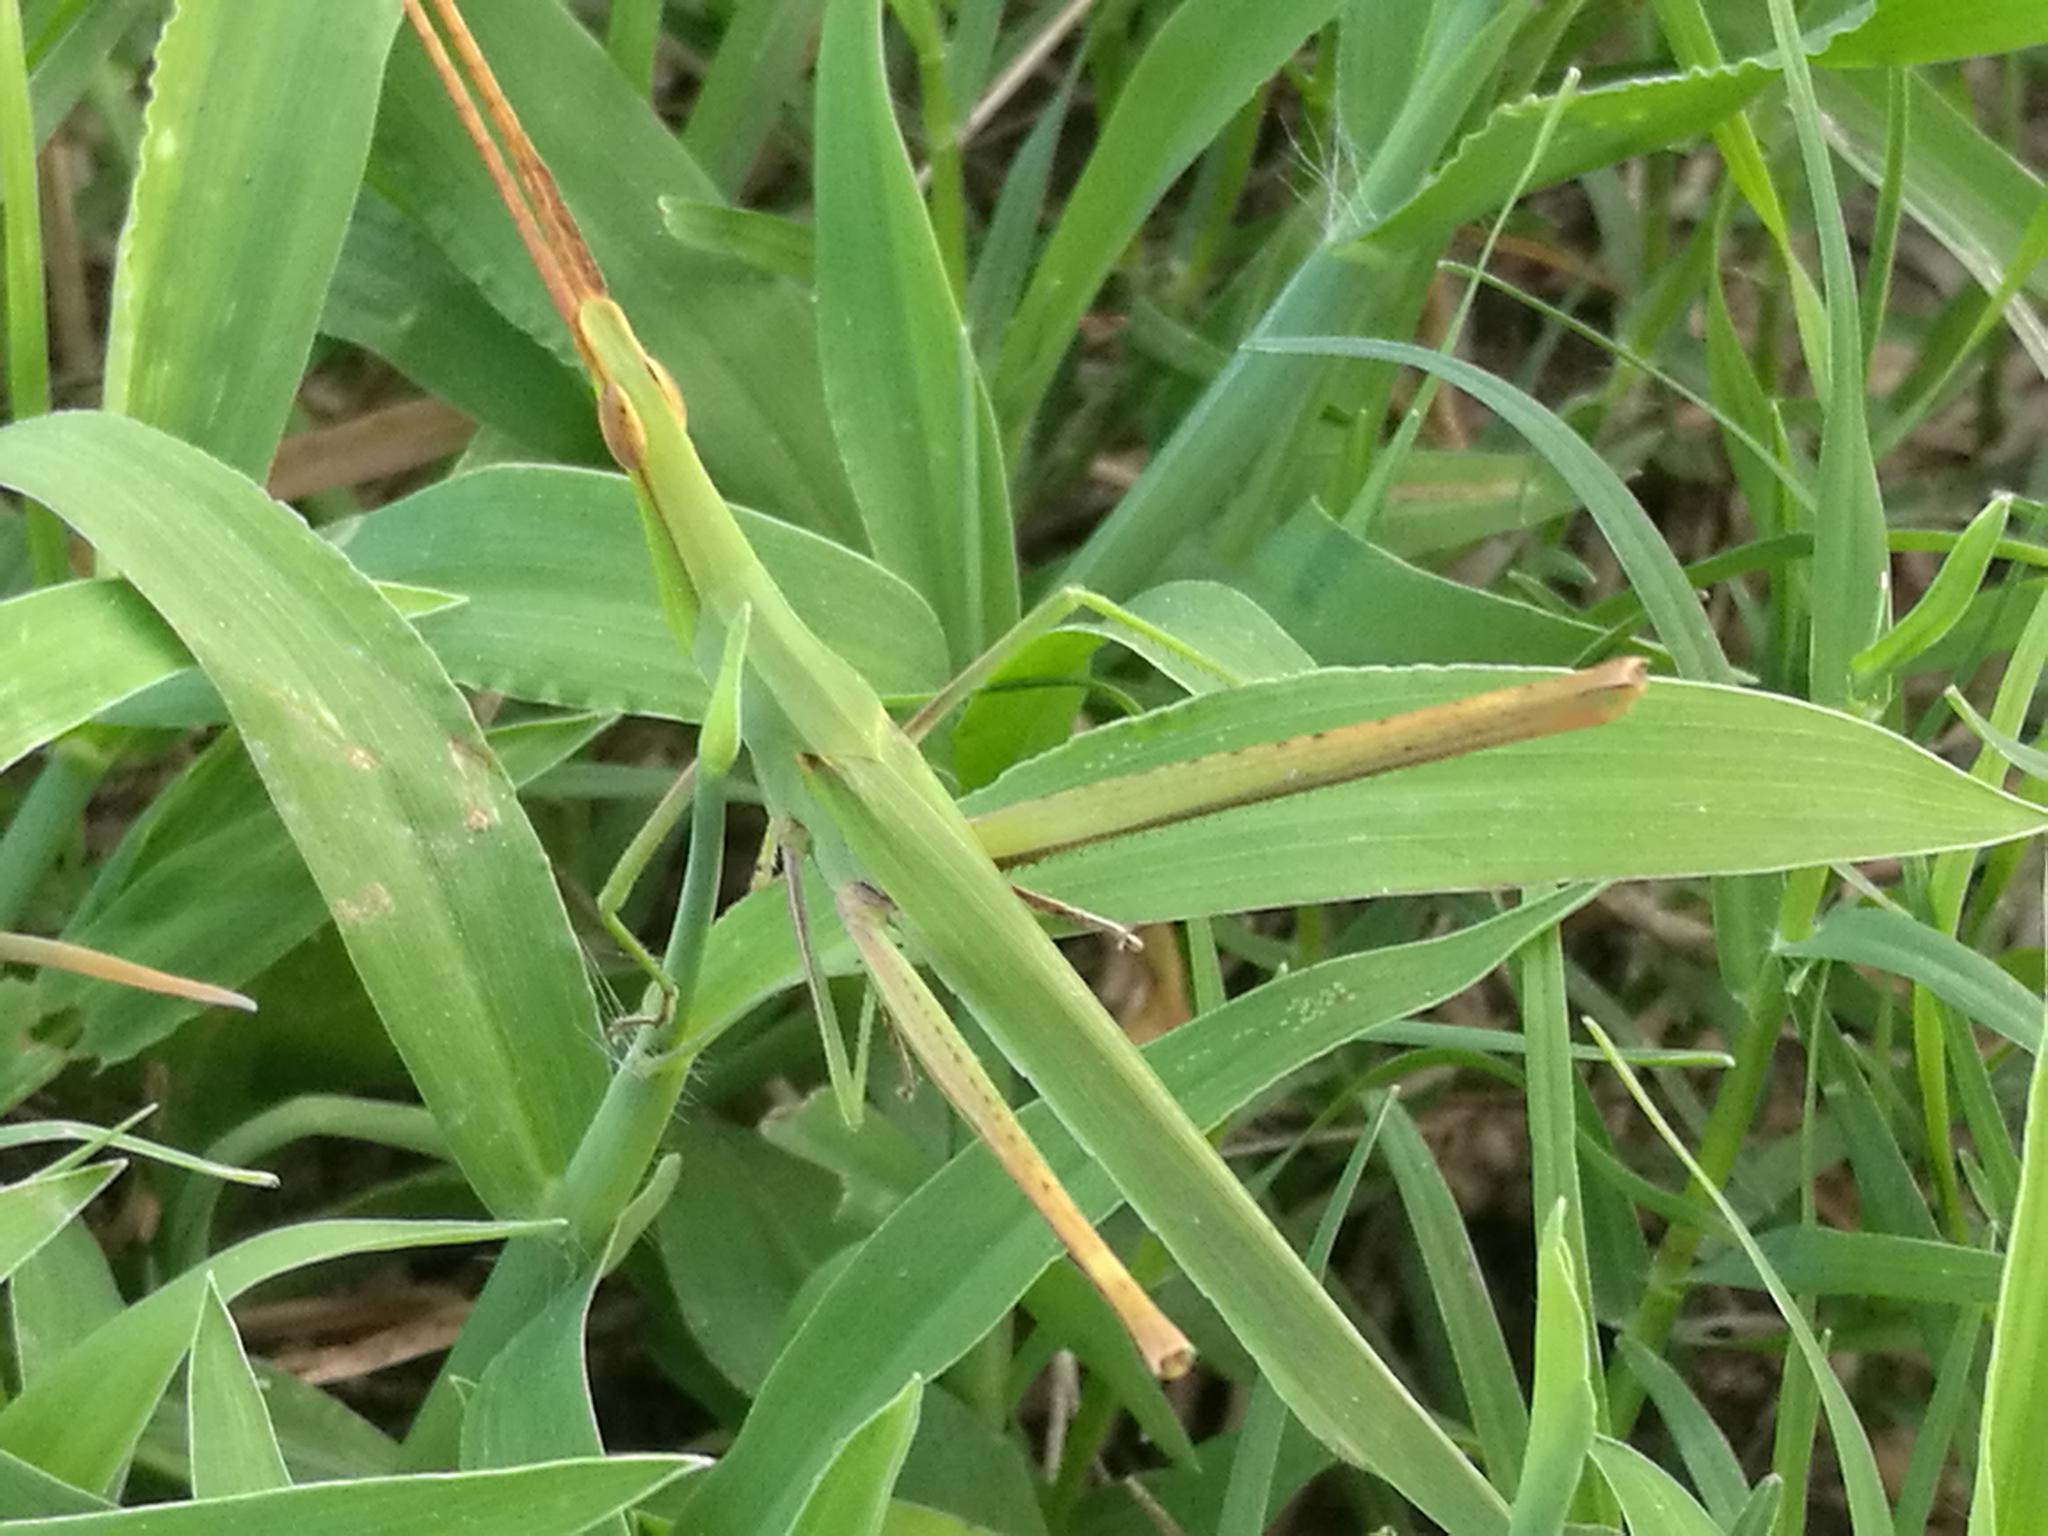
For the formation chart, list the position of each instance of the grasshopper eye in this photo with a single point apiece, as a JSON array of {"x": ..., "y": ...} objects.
[
  {"x": 620, "y": 424},
  {"x": 668, "y": 388}
]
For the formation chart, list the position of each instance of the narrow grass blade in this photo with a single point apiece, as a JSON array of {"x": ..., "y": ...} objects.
[
  {"x": 2012, "y": 1474},
  {"x": 557, "y": 1499},
  {"x": 1851, "y": 574},
  {"x": 761, "y": 57},
  {"x": 1206, "y": 59},
  {"x": 1249, "y": 1496},
  {"x": 908, "y": 406},
  {"x": 1957, "y": 974},
  {"x": 1652, "y": 1501},
  {"x": 258, "y": 128},
  {"x": 1869, "y": 1514},
  {"x": 36, "y": 1209},
  {"x": 1821, "y": 1261},
  {"x": 79, "y": 1419},
  {"x": 952, "y": 1258},
  {"x": 233, "y": 1446},
  {"x": 1709, "y": 1458},
  {"x": 1562, "y": 1405},
  {"x": 852, "y": 1499},
  {"x": 1487, "y": 1376},
  {"x": 1652, "y": 569},
  {"x": 1944, "y": 601}
]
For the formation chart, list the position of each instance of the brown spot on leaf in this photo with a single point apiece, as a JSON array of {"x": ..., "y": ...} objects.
[{"x": 367, "y": 905}]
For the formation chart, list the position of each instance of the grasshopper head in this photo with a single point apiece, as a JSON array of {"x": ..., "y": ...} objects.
[{"x": 631, "y": 383}]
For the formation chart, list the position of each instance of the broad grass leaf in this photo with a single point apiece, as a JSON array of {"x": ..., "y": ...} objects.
[
  {"x": 589, "y": 632},
  {"x": 1350, "y": 604},
  {"x": 1493, "y": 1396},
  {"x": 377, "y": 768},
  {"x": 1696, "y": 779},
  {"x": 1598, "y": 126},
  {"x": 395, "y": 293},
  {"x": 1906, "y": 32}
]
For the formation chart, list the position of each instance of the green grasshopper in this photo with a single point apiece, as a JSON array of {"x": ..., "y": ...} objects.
[{"x": 900, "y": 856}]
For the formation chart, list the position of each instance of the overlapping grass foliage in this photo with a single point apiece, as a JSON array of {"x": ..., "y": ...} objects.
[{"x": 1366, "y": 352}]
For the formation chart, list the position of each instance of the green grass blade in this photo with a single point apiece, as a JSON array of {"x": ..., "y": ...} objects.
[
  {"x": 1822, "y": 1261},
  {"x": 589, "y": 633},
  {"x": 951, "y": 1259},
  {"x": 767, "y": 242},
  {"x": 1869, "y": 1514},
  {"x": 258, "y": 128},
  {"x": 1851, "y": 574},
  {"x": 233, "y": 1446},
  {"x": 71, "y": 651},
  {"x": 1207, "y": 58},
  {"x": 21, "y": 281},
  {"x": 34, "y": 1210},
  {"x": 1709, "y": 1458},
  {"x": 1249, "y": 1496},
  {"x": 396, "y": 293},
  {"x": 1562, "y": 1405},
  {"x": 760, "y": 58},
  {"x": 1910, "y": 32},
  {"x": 432, "y": 870},
  {"x": 555, "y": 1499},
  {"x": 1696, "y": 779},
  {"x": 1652, "y": 570},
  {"x": 2012, "y": 1475},
  {"x": 80, "y": 1417},
  {"x": 1487, "y": 1376},
  {"x": 1943, "y": 603},
  {"x": 1010, "y": 241},
  {"x": 533, "y": 1400},
  {"x": 1960, "y": 185},
  {"x": 911, "y": 414},
  {"x": 852, "y": 1498},
  {"x": 1597, "y": 126},
  {"x": 1651, "y": 1499},
  {"x": 1957, "y": 974},
  {"x": 1351, "y": 603}
]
